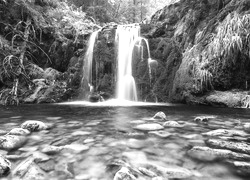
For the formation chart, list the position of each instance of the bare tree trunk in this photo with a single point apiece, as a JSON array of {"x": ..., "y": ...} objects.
[
  {"x": 21, "y": 59},
  {"x": 134, "y": 15}
]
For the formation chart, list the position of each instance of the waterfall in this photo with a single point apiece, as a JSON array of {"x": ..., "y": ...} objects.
[
  {"x": 88, "y": 58},
  {"x": 126, "y": 36}
]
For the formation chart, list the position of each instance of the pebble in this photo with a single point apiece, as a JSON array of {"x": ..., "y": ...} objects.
[
  {"x": 149, "y": 127},
  {"x": 51, "y": 150}
]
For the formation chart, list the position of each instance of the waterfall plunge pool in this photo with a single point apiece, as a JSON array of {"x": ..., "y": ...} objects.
[{"x": 111, "y": 141}]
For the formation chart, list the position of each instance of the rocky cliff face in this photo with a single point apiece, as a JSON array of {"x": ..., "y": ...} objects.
[{"x": 201, "y": 46}]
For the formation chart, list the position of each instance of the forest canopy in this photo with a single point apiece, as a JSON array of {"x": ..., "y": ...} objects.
[{"x": 121, "y": 11}]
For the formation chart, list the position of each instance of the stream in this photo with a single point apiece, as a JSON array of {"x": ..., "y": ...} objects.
[{"x": 105, "y": 138}]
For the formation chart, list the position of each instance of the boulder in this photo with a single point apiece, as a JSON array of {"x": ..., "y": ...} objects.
[
  {"x": 51, "y": 74},
  {"x": 209, "y": 154},
  {"x": 19, "y": 132},
  {"x": 149, "y": 127},
  {"x": 33, "y": 125},
  {"x": 241, "y": 167},
  {"x": 160, "y": 115},
  {"x": 10, "y": 142},
  {"x": 5, "y": 166},
  {"x": 202, "y": 119}
]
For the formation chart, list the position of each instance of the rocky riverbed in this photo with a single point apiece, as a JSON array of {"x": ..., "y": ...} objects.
[{"x": 93, "y": 143}]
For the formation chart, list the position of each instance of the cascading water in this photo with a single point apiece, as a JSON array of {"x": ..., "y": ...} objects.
[
  {"x": 88, "y": 59},
  {"x": 126, "y": 37}
]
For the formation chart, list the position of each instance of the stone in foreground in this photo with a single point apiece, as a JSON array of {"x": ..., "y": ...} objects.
[
  {"x": 172, "y": 124},
  {"x": 241, "y": 147},
  {"x": 34, "y": 125},
  {"x": 149, "y": 127},
  {"x": 242, "y": 168},
  {"x": 5, "y": 166},
  {"x": 10, "y": 142},
  {"x": 209, "y": 154}
]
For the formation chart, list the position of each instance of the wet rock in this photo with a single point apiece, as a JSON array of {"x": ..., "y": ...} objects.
[
  {"x": 77, "y": 148},
  {"x": 162, "y": 134},
  {"x": 225, "y": 132},
  {"x": 242, "y": 168},
  {"x": 124, "y": 174},
  {"x": 51, "y": 150},
  {"x": 246, "y": 127},
  {"x": 3, "y": 132},
  {"x": 172, "y": 124},
  {"x": 19, "y": 132},
  {"x": 5, "y": 166},
  {"x": 136, "y": 135},
  {"x": 136, "y": 144},
  {"x": 231, "y": 145},
  {"x": 147, "y": 172},
  {"x": 47, "y": 166},
  {"x": 10, "y": 142},
  {"x": 65, "y": 169},
  {"x": 80, "y": 133},
  {"x": 33, "y": 125},
  {"x": 29, "y": 170},
  {"x": 174, "y": 172},
  {"x": 209, "y": 154},
  {"x": 40, "y": 157},
  {"x": 202, "y": 119},
  {"x": 149, "y": 127},
  {"x": 160, "y": 115}
]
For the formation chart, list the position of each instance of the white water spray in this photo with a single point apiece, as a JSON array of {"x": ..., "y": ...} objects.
[
  {"x": 88, "y": 59},
  {"x": 126, "y": 36}
]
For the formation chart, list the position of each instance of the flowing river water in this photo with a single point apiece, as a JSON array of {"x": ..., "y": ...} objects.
[{"x": 104, "y": 139}]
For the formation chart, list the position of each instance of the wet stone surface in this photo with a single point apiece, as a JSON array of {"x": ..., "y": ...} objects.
[{"x": 124, "y": 143}]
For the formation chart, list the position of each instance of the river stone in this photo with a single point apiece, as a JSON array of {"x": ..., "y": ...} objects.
[
  {"x": 172, "y": 124},
  {"x": 160, "y": 115},
  {"x": 225, "y": 132},
  {"x": 209, "y": 154},
  {"x": 33, "y": 125},
  {"x": 51, "y": 150},
  {"x": 162, "y": 134},
  {"x": 10, "y": 142},
  {"x": 19, "y": 132},
  {"x": 231, "y": 145},
  {"x": 172, "y": 172},
  {"x": 5, "y": 166},
  {"x": 149, "y": 127},
  {"x": 202, "y": 119},
  {"x": 124, "y": 174},
  {"x": 147, "y": 172},
  {"x": 29, "y": 170},
  {"x": 242, "y": 168},
  {"x": 136, "y": 144},
  {"x": 246, "y": 127},
  {"x": 77, "y": 148}
]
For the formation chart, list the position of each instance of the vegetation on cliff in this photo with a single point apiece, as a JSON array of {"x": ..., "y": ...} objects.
[
  {"x": 203, "y": 46},
  {"x": 34, "y": 36}
]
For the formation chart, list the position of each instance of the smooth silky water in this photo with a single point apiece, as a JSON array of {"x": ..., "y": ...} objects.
[{"x": 108, "y": 132}]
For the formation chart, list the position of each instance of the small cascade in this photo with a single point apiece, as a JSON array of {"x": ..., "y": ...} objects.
[
  {"x": 88, "y": 59},
  {"x": 126, "y": 37}
]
